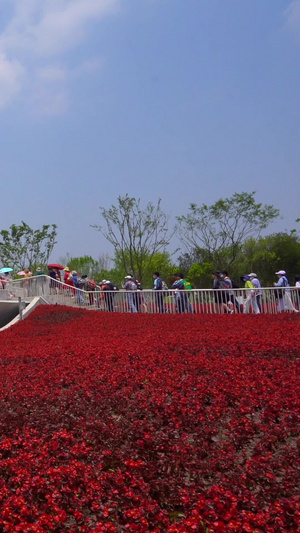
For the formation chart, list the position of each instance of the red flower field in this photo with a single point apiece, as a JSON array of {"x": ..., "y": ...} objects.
[{"x": 134, "y": 423}]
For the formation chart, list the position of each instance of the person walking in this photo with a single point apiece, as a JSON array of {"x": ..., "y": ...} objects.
[
  {"x": 131, "y": 287},
  {"x": 231, "y": 294},
  {"x": 221, "y": 293},
  {"x": 250, "y": 296},
  {"x": 109, "y": 295},
  {"x": 79, "y": 291},
  {"x": 283, "y": 293},
  {"x": 255, "y": 281},
  {"x": 181, "y": 296},
  {"x": 297, "y": 289},
  {"x": 159, "y": 293}
]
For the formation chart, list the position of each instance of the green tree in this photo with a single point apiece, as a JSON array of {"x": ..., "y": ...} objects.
[
  {"x": 137, "y": 233},
  {"x": 83, "y": 265},
  {"x": 200, "y": 275},
  {"x": 158, "y": 262},
  {"x": 220, "y": 229},
  {"x": 23, "y": 247},
  {"x": 269, "y": 254}
]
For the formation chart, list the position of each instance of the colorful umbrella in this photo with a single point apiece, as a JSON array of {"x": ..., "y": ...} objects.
[
  {"x": 60, "y": 267},
  {"x": 5, "y": 269},
  {"x": 22, "y": 273}
]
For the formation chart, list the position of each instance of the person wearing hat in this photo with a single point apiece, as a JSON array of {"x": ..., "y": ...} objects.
[
  {"x": 68, "y": 280},
  {"x": 66, "y": 275},
  {"x": 283, "y": 293},
  {"x": 255, "y": 281},
  {"x": 280, "y": 292},
  {"x": 131, "y": 287},
  {"x": 250, "y": 296},
  {"x": 109, "y": 295},
  {"x": 221, "y": 287}
]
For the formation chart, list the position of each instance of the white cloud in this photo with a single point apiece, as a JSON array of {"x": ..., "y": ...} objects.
[
  {"x": 40, "y": 33},
  {"x": 12, "y": 77},
  {"x": 51, "y": 27},
  {"x": 292, "y": 14}
]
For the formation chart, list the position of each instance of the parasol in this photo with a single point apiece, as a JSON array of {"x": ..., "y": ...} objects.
[
  {"x": 60, "y": 267},
  {"x": 5, "y": 269}
]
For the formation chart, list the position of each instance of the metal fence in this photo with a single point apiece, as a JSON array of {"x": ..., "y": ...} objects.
[{"x": 208, "y": 301}]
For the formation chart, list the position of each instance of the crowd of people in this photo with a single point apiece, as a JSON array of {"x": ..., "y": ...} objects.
[{"x": 226, "y": 298}]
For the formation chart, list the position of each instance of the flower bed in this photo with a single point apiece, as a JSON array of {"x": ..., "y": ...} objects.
[{"x": 178, "y": 424}]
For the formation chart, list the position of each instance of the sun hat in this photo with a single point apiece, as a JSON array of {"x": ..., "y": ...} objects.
[
  {"x": 107, "y": 282},
  {"x": 128, "y": 277},
  {"x": 103, "y": 281},
  {"x": 67, "y": 269},
  {"x": 252, "y": 275},
  {"x": 281, "y": 272}
]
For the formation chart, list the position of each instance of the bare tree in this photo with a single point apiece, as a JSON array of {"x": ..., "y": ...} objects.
[
  {"x": 135, "y": 232},
  {"x": 104, "y": 262}
]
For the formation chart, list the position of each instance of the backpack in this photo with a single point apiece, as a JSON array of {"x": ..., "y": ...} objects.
[
  {"x": 80, "y": 282},
  {"x": 187, "y": 285},
  {"x": 234, "y": 284},
  {"x": 164, "y": 286},
  {"x": 132, "y": 286},
  {"x": 222, "y": 284}
]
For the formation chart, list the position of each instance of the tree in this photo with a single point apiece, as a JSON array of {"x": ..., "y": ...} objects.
[
  {"x": 160, "y": 261},
  {"x": 269, "y": 254},
  {"x": 23, "y": 247},
  {"x": 83, "y": 265},
  {"x": 221, "y": 228},
  {"x": 136, "y": 233},
  {"x": 200, "y": 275}
]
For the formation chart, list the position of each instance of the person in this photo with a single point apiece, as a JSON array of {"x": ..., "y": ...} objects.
[
  {"x": 279, "y": 293},
  {"x": 75, "y": 279},
  {"x": 159, "y": 295},
  {"x": 26, "y": 282},
  {"x": 232, "y": 299},
  {"x": 250, "y": 296},
  {"x": 8, "y": 285},
  {"x": 140, "y": 301},
  {"x": 255, "y": 281},
  {"x": 181, "y": 296},
  {"x": 188, "y": 287},
  {"x": 297, "y": 289},
  {"x": 69, "y": 281},
  {"x": 109, "y": 295},
  {"x": 283, "y": 293},
  {"x": 53, "y": 284},
  {"x": 221, "y": 292},
  {"x": 130, "y": 287},
  {"x": 89, "y": 286},
  {"x": 66, "y": 275}
]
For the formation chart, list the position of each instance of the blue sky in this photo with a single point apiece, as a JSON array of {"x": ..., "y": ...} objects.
[{"x": 186, "y": 100}]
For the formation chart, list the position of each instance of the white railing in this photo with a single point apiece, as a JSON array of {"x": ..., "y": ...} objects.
[{"x": 207, "y": 301}]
